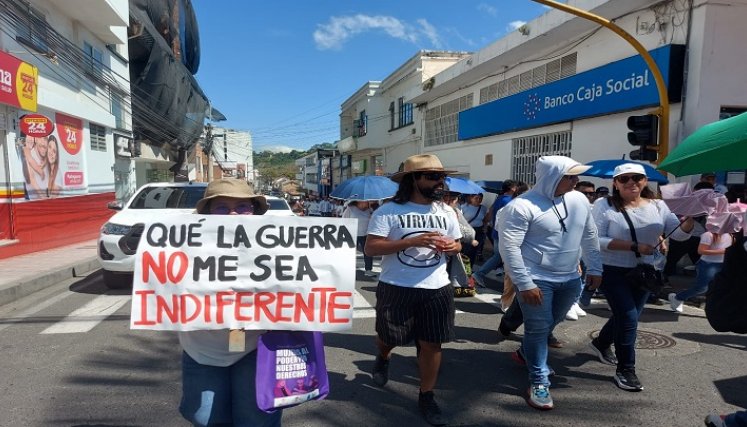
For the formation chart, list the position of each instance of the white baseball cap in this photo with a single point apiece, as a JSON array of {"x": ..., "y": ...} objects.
[{"x": 628, "y": 168}]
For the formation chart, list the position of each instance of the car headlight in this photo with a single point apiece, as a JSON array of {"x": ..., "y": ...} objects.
[{"x": 115, "y": 229}]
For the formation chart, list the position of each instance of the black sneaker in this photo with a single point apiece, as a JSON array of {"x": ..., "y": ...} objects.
[
  {"x": 503, "y": 331},
  {"x": 627, "y": 380},
  {"x": 606, "y": 356},
  {"x": 380, "y": 372},
  {"x": 430, "y": 410}
]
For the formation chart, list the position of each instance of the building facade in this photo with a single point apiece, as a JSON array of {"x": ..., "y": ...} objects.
[
  {"x": 65, "y": 67},
  {"x": 232, "y": 153},
  {"x": 84, "y": 116},
  {"x": 563, "y": 85}
]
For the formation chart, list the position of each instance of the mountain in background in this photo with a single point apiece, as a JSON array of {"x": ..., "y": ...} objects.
[{"x": 283, "y": 165}]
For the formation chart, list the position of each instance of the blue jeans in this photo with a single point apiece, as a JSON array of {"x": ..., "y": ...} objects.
[
  {"x": 705, "y": 272},
  {"x": 217, "y": 395},
  {"x": 492, "y": 263},
  {"x": 626, "y": 303},
  {"x": 540, "y": 320},
  {"x": 737, "y": 419}
]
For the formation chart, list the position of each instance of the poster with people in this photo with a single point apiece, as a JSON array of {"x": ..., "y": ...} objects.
[
  {"x": 197, "y": 272},
  {"x": 50, "y": 158}
]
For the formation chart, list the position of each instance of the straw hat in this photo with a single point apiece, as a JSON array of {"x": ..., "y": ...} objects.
[
  {"x": 420, "y": 163},
  {"x": 233, "y": 188}
]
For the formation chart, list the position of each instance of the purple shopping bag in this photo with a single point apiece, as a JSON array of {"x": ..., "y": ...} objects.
[{"x": 290, "y": 369}]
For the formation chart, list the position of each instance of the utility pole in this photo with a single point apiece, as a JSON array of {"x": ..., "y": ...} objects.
[{"x": 663, "y": 110}]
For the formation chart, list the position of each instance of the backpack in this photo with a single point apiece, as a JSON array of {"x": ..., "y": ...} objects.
[{"x": 726, "y": 299}]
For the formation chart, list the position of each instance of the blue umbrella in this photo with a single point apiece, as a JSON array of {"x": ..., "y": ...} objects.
[
  {"x": 464, "y": 186},
  {"x": 605, "y": 168},
  {"x": 369, "y": 187}
]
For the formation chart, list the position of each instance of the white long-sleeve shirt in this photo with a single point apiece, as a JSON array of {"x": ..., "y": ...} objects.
[{"x": 650, "y": 220}]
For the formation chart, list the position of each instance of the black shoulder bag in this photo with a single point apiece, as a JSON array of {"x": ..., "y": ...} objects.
[{"x": 643, "y": 276}]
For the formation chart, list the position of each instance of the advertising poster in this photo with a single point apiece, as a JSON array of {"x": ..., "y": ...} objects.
[{"x": 50, "y": 154}]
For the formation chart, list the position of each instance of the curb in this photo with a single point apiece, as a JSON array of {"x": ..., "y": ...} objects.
[{"x": 28, "y": 285}]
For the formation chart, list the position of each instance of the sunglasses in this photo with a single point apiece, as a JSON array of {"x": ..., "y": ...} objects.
[
  {"x": 625, "y": 178},
  {"x": 433, "y": 176},
  {"x": 571, "y": 177},
  {"x": 589, "y": 193},
  {"x": 241, "y": 209}
]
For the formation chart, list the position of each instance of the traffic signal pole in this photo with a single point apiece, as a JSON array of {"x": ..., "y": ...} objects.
[{"x": 663, "y": 110}]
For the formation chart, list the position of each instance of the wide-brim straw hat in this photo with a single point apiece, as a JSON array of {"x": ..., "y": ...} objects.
[
  {"x": 420, "y": 163},
  {"x": 233, "y": 188}
]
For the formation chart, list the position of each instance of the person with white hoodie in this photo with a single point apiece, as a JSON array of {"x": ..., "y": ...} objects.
[{"x": 542, "y": 235}]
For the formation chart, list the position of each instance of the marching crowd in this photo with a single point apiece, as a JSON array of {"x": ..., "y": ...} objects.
[
  {"x": 558, "y": 243},
  {"x": 555, "y": 245}
]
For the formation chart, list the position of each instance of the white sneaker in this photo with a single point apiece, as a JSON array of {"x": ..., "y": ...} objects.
[
  {"x": 676, "y": 304},
  {"x": 571, "y": 315},
  {"x": 579, "y": 311},
  {"x": 369, "y": 273}
]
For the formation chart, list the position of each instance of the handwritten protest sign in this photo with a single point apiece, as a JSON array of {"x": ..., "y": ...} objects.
[{"x": 253, "y": 272}]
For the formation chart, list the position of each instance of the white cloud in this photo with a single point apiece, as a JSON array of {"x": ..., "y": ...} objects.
[
  {"x": 513, "y": 25},
  {"x": 339, "y": 29},
  {"x": 430, "y": 32},
  {"x": 486, "y": 8},
  {"x": 276, "y": 148}
]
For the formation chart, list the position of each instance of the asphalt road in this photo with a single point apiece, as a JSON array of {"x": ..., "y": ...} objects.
[{"x": 92, "y": 370}]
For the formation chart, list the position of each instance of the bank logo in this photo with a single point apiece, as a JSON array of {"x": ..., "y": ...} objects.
[{"x": 532, "y": 106}]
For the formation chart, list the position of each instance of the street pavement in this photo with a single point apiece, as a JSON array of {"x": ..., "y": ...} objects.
[{"x": 70, "y": 359}]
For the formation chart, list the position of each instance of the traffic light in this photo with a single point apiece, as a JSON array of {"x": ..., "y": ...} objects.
[{"x": 644, "y": 133}]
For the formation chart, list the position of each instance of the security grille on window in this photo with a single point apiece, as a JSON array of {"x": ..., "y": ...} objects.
[
  {"x": 526, "y": 151},
  {"x": 442, "y": 122},
  {"x": 405, "y": 113},
  {"x": 538, "y": 76},
  {"x": 98, "y": 137}
]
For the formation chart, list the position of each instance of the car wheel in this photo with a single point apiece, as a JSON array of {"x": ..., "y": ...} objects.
[{"x": 114, "y": 280}]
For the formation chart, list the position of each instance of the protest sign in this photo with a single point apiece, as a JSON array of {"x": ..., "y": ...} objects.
[{"x": 197, "y": 272}]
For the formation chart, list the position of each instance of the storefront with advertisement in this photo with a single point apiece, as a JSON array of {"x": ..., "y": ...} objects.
[{"x": 56, "y": 174}]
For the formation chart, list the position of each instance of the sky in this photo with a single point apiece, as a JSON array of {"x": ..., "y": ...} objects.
[{"x": 280, "y": 69}]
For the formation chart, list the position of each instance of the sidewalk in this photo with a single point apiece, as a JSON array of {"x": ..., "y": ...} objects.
[{"x": 25, "y": 274}]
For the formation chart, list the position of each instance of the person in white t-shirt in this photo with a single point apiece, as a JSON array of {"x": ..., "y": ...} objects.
[
  {"x": 414, "y": 298},
  {"x": 314, "y": 208},
  {"x": 711, "y": 249}
]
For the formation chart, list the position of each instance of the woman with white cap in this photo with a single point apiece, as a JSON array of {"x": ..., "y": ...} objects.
[{"x": 623, "y": 247}]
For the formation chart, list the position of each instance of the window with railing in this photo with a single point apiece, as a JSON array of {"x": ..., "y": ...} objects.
[
  {"x": 98, "y": 137},
  {"x": 94, "y": 63},
  {"x": 359, "y": 126},
  {"x": 442, "y": 122},
  {"x": 32, "y": 30},
  {"x": 527, "y": 150},
  {"x": 546, "y": 73},
  {"x": 118, "y": 110},
  {"x": 405, "y": 113}
]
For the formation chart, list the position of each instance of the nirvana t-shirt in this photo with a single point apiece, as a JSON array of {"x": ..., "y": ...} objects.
[{"x": 414, "y": 267}]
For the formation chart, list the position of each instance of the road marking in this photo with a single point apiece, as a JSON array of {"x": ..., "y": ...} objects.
[
  {"x": 87, "y": 317},
  {"x": 35, "y": 309}
]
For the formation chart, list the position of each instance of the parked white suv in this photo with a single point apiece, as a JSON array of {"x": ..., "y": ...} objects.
[{"x": 120, "y": 235}]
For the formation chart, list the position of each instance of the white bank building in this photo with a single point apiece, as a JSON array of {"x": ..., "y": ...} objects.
[{"x": 563, "y": 85}]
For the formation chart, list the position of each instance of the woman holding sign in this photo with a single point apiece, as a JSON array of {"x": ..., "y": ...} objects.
[{"x": 219, "y": 366}]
